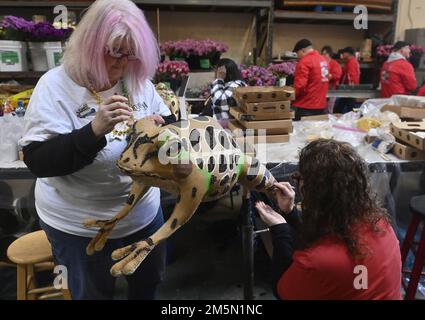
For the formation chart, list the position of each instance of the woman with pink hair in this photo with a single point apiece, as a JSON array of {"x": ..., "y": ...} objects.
[{"x": 76, "y": 127}]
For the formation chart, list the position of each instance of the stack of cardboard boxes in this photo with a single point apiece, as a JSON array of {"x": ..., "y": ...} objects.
[
  {"x": 264, "y": 113},
  {"x": 410, "y": 138}
]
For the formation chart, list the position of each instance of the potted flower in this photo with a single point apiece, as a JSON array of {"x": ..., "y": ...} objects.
[
  {"x": 282, "y": 71},
  {"x": 199, "y": 54},
  {"x": 257, "y": 76},
  {"x": 13, "y": 31},
  {"x": 46, "y": 45},
  {"x": 171, "y": 73}
]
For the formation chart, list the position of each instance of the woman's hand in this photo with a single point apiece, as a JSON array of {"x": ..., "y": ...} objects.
[
  {"x": 268, "y": 215},
  {"x": 285, "y": 196},
  {"x": 157, "y": 118},
  {"x": 114, "y": 110}
]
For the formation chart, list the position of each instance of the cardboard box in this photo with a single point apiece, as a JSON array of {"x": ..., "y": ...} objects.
[
  {"x": 266, "y": 108},
  {"x": 408, "y": 137},
  {"x": 411, "y": 126},
  {"x": 271, "y": 126},
  {"x": 263, "y": 94},
  {"x": 407, "y": 153},
  {"x": 279, "y": 138},
  {"x": 322, "y": 117},
  {"x": 406, "y": 112},
  {"x": 239, "y": 129},
  {"x": 239, "y": 115}
]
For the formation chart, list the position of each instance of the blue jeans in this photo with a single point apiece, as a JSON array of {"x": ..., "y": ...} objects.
[{"x": 89, "y": 276}]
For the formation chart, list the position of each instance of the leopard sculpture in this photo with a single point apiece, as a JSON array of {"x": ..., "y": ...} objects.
[
  {"x": 170, "y": 99},
  {"x": 196, "y": 159}
]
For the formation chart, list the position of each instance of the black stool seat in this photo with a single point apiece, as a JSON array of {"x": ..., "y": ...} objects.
[{"x": 417, "y": 205}]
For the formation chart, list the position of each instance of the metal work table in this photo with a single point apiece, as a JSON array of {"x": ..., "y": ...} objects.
[{"x": 357, "y": 94}]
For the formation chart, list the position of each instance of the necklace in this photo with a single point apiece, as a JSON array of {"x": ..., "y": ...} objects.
[{"x": 123, "y": 128}]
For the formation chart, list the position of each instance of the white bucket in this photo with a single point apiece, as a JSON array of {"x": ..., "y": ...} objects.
[
  {"x": 8, "y": 152},
  {"x": 38, "y": 56},
  {"x": 54, "y": 54},
  {"x": 13, "y": 56}
]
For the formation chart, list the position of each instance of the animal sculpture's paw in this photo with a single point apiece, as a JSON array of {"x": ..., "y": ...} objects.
[
  {"x": 98, "y": 242},
  {"x": 132, "y": 256}
]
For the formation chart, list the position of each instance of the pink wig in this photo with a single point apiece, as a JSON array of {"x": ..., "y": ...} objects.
[{"x": 106, "y": 24}]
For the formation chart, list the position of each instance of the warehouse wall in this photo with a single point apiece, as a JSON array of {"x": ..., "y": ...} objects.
[
  {"x": 235, "y": 29},
  {"x": 410, "y": 16},
  {"x": 286, "y": 35},
  {"x": 230, "y": 28}
]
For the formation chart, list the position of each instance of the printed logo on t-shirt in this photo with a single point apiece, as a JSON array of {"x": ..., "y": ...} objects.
[
  {"x": 140, "y": 106},
  {"x": 385, "y": 76},
  {"x": 84, "y": 111},
  {"x": 325, "y": 71}
]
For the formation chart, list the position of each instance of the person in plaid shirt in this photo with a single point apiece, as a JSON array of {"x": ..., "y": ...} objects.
[{"x": 228, "y": 77}]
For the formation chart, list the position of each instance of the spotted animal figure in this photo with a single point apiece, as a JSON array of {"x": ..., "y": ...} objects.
[
  {"x": 170, "y": 99},
  {"x": 196, "y": 159}
]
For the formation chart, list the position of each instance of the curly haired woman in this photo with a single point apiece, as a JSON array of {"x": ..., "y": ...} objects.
[{"x": 342, "y": 246}]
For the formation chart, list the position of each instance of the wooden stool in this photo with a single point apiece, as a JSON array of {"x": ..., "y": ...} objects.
[
  {"x": 32, "y": 253},
  {"x": 417, "y": 207}
]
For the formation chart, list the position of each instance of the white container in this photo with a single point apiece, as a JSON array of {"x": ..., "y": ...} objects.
[
  {"x": 9, "y": 152},
  {"x": 13, "y": 56},
  {"x": 38, "y": 56},
  {"x": 54, "y": 54},
  {"x": 282, "y": 82}
]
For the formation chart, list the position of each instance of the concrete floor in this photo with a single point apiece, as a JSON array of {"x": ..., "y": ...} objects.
[{"x": 206, "y": 259}]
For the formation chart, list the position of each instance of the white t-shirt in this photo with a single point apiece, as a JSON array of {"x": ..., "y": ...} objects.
[{"x": 99, "y": 190}]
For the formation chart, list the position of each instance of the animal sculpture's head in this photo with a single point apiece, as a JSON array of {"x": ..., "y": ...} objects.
[{"x": 151, "y": 149}]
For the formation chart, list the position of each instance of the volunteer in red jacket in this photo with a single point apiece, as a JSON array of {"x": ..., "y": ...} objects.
[
  {"x": 335, "y": 74},
  {"x": 351, "y": 77},
  {"x": 351, "y": 71},
  {"x": 343, "y": 247},
  {"x": 397, "y": 74},
  {"x": 310, "y": 81},
  {"x": 335, "y": 70}
]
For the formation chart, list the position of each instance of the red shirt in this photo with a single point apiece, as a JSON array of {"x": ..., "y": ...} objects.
[
  {"x": 335, "y": 71},
  {"x": 421, "y": 91},
  {"x": 325, "y": 271},
  {"x": 397, "y": 77},
  {"x": 351, "y": 72},
  {"x": 311, "y": 82}
]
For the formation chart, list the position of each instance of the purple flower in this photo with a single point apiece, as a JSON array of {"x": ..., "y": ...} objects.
[
  {"x": 257, "y": 76},
  {"x": 14, "y": 28},
  {"x": 191, "y": 47},
  {"x": 282, "y": 69},
  {"x": 171, "y": 69},
  {"x": 45, "y": 31}
]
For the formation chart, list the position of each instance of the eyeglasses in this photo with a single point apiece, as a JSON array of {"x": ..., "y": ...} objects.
[
  {"x": 295, "y": 178},
  {"x": 120, "y": 55}
]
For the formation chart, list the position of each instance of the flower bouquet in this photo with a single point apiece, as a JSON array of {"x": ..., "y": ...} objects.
[
  {"x": 281, "y": 71},
  {"x": 198, "y": 53},
  {"x": 14, "y": 28},
  {"x": 46, "y": 32},
  {"x": 46, "y": 45},
  {"x": 257, "y": 76},
  {"x": 171, "y": 73},
  {"x": 13, "y": 51}
]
